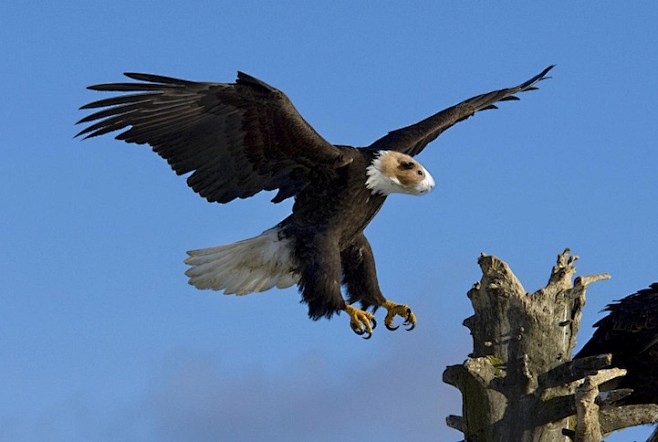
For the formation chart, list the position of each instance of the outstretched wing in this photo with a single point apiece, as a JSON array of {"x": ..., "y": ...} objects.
[
  {"x": 413, "y": 139},
  {"x": 237, "y": 139}
]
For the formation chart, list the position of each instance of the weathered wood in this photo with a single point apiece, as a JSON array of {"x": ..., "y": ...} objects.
[
  {"x": 574, "y": 370},
  {"x": 617, "y": 418},
  {"x": 519, "y": 382},
  {"x": 588, "y": 427}
]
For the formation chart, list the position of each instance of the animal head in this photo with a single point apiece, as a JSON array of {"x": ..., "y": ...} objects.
[{"x": 395, "y": 172}]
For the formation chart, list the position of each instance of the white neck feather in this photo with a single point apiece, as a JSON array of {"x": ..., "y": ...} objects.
[{"x": 377, "y": 182}]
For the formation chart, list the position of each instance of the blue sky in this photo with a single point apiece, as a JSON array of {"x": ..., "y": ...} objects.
[{"x": 104, "y": 340}]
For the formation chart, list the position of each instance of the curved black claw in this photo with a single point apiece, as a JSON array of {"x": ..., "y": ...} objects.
[
  {"x": 362, "y": 331},
  {"x": 357, "y": 330},
  {"x": 361, "y": 322},
  {"x": 408, "y": 321},
  {"x": 391, "y": 328},
  {"x": 399, "y": 310}
]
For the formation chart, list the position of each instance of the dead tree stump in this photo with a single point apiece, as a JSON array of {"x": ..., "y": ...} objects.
[{"x": 520, "y": 384}]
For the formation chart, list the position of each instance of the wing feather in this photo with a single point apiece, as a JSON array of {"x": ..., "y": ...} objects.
[
  {"x": 630, "y": 333},
  {"x": 413, "y": 139},
  {"x": 236, "y": 139},
  {"x": 631, "y": 326}
]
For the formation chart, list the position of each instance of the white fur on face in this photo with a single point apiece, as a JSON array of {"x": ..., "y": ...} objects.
[{"x": 395, "y": 172}]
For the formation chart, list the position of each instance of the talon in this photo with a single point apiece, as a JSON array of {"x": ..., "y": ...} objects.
[
  {"x": 361, "y": 322},
  {"x": 399, "y": 310},
  {"x": 357, "y": 330},
  {"x": 391, "y": 328},
  {"x": 410, "y": 320}
]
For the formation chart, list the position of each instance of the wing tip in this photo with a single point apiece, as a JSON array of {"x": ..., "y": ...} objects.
[
  {"x": 530, "y": 84},
  {"x": 249, "y": 80},
  {"x": 149, "y": 82},
  {"x": 153, "y": 78}
]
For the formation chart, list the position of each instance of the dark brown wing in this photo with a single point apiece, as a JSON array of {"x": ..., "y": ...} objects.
[
  {"x": 237, "y": 139},
  {"x": 631, "y": 327},
  {"x": 413, "y": 139},
  {"x": 630, "y": 333}
]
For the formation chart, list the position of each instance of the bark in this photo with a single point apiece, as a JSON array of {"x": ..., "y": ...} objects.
[{"x": 519, "y": 383}]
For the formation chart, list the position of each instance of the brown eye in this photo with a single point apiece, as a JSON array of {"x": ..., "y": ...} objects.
[{"x": 419, "y": 172}]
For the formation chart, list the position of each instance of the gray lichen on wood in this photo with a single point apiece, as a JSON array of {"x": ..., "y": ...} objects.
[{"x": 520, "y": 384}]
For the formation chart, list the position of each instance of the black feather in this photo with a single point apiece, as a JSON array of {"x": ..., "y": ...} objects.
[
  {"x": 630, "y": 333},
  {"x": 413, "y": 139}
]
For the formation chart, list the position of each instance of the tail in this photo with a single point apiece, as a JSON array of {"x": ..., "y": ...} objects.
[{"x": 251, "y": 265}]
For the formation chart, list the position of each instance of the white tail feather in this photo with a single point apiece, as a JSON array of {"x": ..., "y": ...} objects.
[{"x": 251, "y": 265}]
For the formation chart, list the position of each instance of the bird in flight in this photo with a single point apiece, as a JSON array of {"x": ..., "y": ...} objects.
[{"x": 237, "y": 139}]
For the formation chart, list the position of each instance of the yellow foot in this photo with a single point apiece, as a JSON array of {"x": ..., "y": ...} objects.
[
  {"x": 362, "y": 322},
  {"x": 399, "y": 310}
]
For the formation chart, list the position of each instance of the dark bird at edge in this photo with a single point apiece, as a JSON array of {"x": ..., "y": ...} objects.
[
  {"x": 237, "y": 139},
  {"x": 630, "y": 334}
]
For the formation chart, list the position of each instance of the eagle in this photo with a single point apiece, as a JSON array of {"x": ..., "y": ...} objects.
[
  {"x": 630, "y": 333},
  {"x": 237, "y": 139}
]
